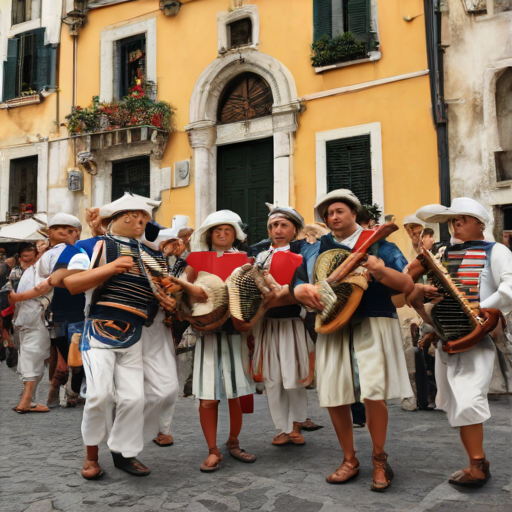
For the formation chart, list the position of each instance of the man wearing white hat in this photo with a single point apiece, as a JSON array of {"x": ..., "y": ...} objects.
[
  {"x": 123, "y": 300},
  {"x": 483, "y": 273},
  {"x": 63, "y": 229},
  {"x": 373, "y": 339},
  {"x": 64, "y": 308}
]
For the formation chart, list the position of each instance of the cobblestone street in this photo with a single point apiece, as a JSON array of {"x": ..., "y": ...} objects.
[{"x": 41, "y": 457}]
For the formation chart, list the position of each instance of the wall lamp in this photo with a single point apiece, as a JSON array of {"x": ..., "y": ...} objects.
[{"x": 77, "y": 17}]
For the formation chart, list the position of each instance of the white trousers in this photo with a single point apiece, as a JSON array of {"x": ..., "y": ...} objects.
[
  {"x": 114, "y": 372},
  {"x": 286, "y": 405},
  {"x": 160, "y": 378},
  {"x": 283, "y": 350},
  {"x": 34, "y": 349},
  {"x": 463, "y": 382}
]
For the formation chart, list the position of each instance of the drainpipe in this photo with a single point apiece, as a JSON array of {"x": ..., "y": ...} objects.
[{"x": 435, "y": 56}]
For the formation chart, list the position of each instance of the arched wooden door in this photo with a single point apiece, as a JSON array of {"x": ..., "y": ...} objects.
[{"x": 245, "y": 171}]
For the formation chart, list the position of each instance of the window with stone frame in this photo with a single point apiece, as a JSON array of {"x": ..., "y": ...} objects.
[
  {"x": 349, "y": 165},
  {"x": 240, "y": 33},
  {"x": 131, "y": 175},
  {"x": 30, "y": 66},
  {"x": 130, "y": 63},
  {"x": 22, "y": 184},
  {"x": 503, "y": 157},
  {"x": 25, "y": 10}
]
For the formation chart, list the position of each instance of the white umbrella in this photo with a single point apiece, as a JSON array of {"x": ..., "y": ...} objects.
[{"x": 22, "y": 230}]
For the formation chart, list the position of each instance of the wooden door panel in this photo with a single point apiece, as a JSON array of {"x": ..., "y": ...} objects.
[{"x": 245, "y": 181}]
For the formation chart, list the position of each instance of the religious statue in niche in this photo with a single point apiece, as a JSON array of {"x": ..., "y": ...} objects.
[{"x": 75, "y": 181}]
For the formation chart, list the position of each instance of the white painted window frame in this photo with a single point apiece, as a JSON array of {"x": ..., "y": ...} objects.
[
  {"x": 224, "y": 18},
  {"x": 371, "y": 129},
  {"x": 109, "y": 36}
]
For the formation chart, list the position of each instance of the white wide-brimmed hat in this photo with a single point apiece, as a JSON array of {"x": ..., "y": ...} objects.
[
  {"x": 163, "y": 236},
  {"x": 460, "y": 206},
  {"x": 198, "y": 239},
  {"x": 288, "y": 213},
  {"x": 412, "y": 219},
  {"x": 343, "y": 195},
  {"x": 64, "y": 219},
  {"x": 126, "y": 203}
]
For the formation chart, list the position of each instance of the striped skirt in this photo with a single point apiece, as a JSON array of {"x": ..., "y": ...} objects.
[{"x": 221, "y": 367}]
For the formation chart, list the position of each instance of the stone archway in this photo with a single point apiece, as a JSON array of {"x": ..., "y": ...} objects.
[{"x": 205, "y": 134}]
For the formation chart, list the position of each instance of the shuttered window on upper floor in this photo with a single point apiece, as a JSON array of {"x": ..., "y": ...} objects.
[
  {"x": 30, "y": 65},
  {"x": 334, "y": 17},
  {"x": 349, "y": 165},
  {"x": 21, "y": 11}
]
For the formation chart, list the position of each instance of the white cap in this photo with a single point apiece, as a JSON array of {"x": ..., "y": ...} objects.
[
  {"x": 125, "y": 204},
  {"x": 412, "y": 219},
  {"x": 64, "y": 219},
  {"x": 460, "y": 206},
  {"x": 343, "y": 195},
  {"x": 198, "y": 239}
]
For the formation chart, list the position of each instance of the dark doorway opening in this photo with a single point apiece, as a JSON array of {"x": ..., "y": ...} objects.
[
  {"x": 23, "y": 184},
  {"x": 131, "y": 175},
  {"x": 245, "y": 182}
]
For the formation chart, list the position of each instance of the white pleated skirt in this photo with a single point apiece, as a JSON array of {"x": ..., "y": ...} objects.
[
  {"x": 378, "y": 349},
  {"x": 463, "y": 382},
  {"x": 283, "y": 352},
  {"x": 222, "y": 367}
]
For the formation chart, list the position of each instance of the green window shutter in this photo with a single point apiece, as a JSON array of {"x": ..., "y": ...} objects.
[
  {"x": 322, "y": 18},
  {"x": 358, "y": 19},
  {"x": 337, "y": 17},
  {"x": 41, "y": 74},
  {"x": 10, "y": 69},
  {"x": 349, "y": 165}
]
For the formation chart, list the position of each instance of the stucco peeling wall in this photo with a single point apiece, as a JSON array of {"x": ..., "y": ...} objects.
[{"x": 476, "y": 46}]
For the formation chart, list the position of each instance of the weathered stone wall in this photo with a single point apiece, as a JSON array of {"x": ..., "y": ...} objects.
[{"x": 478, "y": 51}]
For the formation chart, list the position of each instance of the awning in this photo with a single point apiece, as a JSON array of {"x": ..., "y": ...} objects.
[{"x": 27, "y": 229}]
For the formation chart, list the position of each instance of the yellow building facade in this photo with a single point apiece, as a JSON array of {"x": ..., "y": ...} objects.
[{"x": 254, "y": 120}]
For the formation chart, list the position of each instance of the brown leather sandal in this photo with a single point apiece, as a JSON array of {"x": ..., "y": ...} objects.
[
  {"x": 163, "y": 439},
  {"x": 281, "y": 439},
  {"x": 237, "y": 453},
  {"x": 32, "y": 408},
  {"x": 475, "y": 476},
  {"x": 346, "y": 472},
  {"x": 382, "y": 472},
  {"x": 310, "y": 426},
  {"x": 92, "y": 470},
  {"x": 205, "y": 467},
  {"x": 295, "y": 435}
]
